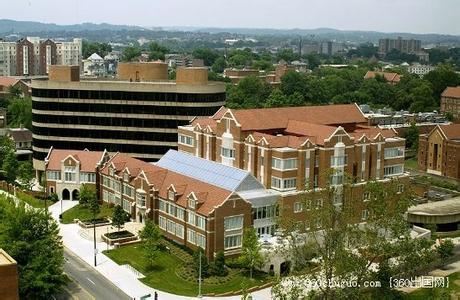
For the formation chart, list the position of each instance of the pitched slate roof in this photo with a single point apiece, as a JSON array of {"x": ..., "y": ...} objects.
[
  {"x": 20, "y": 134},
  {"x": 88, "y": 159}
]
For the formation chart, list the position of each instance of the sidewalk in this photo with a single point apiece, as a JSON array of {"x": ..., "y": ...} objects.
[{"x": 118, "y": 275}]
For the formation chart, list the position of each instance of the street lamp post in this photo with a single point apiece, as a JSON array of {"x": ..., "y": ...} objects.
[
  {"x": 199, "y": 278},
  {"x": 94, "y": 239}
]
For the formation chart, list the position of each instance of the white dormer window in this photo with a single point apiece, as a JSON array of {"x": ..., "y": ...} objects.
[
  {"x": 171, "y": 195},
  {"x": 111, "y": 171},
  {"x": 191, "y": 203},
  {"x": 126, "y": 177}
]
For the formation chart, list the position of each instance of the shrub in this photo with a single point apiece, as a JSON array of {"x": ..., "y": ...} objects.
[
  {"x": 218, "y": 266},
  {"x": 204, "y": 263}
]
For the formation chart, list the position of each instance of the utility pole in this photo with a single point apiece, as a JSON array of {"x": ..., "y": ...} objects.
[{"x": 199, "y": 278}]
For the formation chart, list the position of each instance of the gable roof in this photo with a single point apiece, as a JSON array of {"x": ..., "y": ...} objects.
[
  {"x": 161, "y": 179},
  {"x": 20, "y": 134},
  {"x": 8, "y": 81},
  {"x": 278, "y": 118},
  {"x": 451, "y": 131},
  {"x": 451, "y": 92},
  {"x": 88, "y": 159},
  {"x": 389, "y": 76}
]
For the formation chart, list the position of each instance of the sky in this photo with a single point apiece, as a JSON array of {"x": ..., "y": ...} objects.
[{"x": 416, "y": 16}]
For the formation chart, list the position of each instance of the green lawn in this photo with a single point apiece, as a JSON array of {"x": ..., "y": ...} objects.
[
  {"x": 83, "y": 214},
  {"x": 438, "y": 293},
  {"x": 411, "y": 163},
  {"x": 32, "y": 201},
  {"x": 163, "y": 276}
]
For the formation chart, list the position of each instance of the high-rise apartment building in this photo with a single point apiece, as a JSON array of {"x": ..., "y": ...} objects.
[
  {"x": 404, "y": 46},
  {"x": 31, "y": 56}
]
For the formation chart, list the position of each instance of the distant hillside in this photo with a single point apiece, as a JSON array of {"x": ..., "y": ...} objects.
[
  {"x": 12, "y": 26},
  {"x": 335, "y": 34}
]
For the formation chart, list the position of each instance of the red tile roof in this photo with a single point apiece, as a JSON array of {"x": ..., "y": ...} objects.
[
  {"x": 389, "y": 76},
  {"x": 451, "y": 131},
  {"x": 315, "y": 132},
  {"x": 208, "y": 195},
  {"x": 88, "y": 159},
  {"x": 275, "y": 141},
  {"x": 372, "y": 132},
  {"x": 7, "y": 81},
  {"x": 451, "y": 92}
]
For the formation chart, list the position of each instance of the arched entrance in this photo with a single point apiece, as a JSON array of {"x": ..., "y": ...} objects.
[
  {"x": 75, "y": 195},
  {"x": 285, "y": 268},
  {"x": 65, "y": 194}
]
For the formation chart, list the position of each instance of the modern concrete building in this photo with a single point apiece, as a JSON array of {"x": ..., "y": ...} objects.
[
  {"x": 420, "y": 70},
  {"x": 292, "y": 149},
  {"x": 9, "y": 277},
  {"x": 450, "y": 102},
  {"x": 445, "y": 214},
  {"x": 439, "y": 151},
  {"x": 137, "y": 114},
  {"x": 403, "y": 45},
  {"x": 195, "y": 202}
]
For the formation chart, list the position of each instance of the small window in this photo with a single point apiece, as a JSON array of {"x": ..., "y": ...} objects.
[
  {"x": 400, "y": 188},
  {"x": 298, "y": 207},
  {"x": 366, "y": 196},
  {"x": 365, "y": 215},
  {"x": 191, "y": 203},
  {"x": 171, "y": 195}
]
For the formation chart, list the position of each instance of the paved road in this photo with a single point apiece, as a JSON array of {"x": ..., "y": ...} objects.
[{"x": 90, "y": 280}]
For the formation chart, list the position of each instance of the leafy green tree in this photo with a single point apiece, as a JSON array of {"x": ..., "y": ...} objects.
[
  {"x": 219, "y": 65},
  {"x": 26, "y": 173},
  {"x": 88, "y": 48},
  {"x": 250, "y": 92},
  {"x": 440, "y": 78},
  {"x": 411, "y": 137},
  {"x": 118, "y": 217},
  {"x": 293, "y": 82},
  {"x": 130, "y": 54},
  {"x": 251, "y": 257},
  {"x": 10, "y": 166},
  {"x": 6, "y": 146},
  {"x": 19, "y": 112},
  {"x": 14, "y": 91},
  {"x": 276, "y": 99},
  {"x": 346, "y": 249},
  {"x": 32, "y": 238},
  {"x": 157, "y": 51},
  {"x": 313, "y": 61},
  {"x": 367, "y": 50},
  {"x": 204, "y": 263},
  {"x": 287, "y": 55},
  {"x": 87, "y": 195},
  {"x": 422, "y": 99},
  {"x": 151, "y": 236},
  {"x": 218, "y": 266},
  {"x": 209, "y": 56},
  {"x": 445, "y": 250}
]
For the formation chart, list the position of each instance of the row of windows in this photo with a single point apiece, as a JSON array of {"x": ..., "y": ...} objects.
[
  {"x": 171, "y": 227},
  {"x": 186, "y": 140},
  {"x": 106, "y": 134},
  {"x": 172, "y": 210},
  {"x": 284, "y": 164},
  {"x": 394, "y": 152},
  {"x": 284, "y": 184},
  {"x": 126, "y": 109},
  {"x": 196, "y": 238},
  {"x": 233, "y": 223},
  {"x": 393, "y": 170},
  {"x": 263, "y": 212},
  {"x": 108, "y": 121},
  {"x": 128, "y": 95}
]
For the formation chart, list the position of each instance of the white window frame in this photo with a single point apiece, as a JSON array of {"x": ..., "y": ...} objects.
[
  {"x": 185, "y": 140},
  {"x": 228, "y": 220},
  {"x": 298, "y": 207},
  {"x": 284, "y": 164}
]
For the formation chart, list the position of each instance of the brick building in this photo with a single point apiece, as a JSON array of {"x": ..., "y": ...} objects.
[
  {"x": 290, "y": 150},
  {"x": 67, "y": 170},
  {"x": 195, "y": 202},
  {"x": 439, "y": 151},
  {"x": 450, "y": 102},
  {"x": 390, "y": 77},
  {"x": 8, "y": 277}
]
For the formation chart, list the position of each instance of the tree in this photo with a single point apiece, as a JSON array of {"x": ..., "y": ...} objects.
[
  {"x": 250, "y": 92},
  {"x": 87, "y": 194},
  {"x": 32, "y": 238},
  {"x": 151, "y": 236},
  {"x": 14, "y": 91},
  {"x": 250, "y": 251},
  {"x": 347, "y": 250},
  {"x": 199, "y": 253},
  {"x": 218, "y": 267},
  {"x": 157, "y": 51},
  {"x": 276, "y": 99},
  {"x": 208, "y": 55},
  {"x": 26, "y": 173},
  {"x": 19, "y": 112},
  {"x": 130, "y": 54},
  {"x": 118, "y": 217},
  {"x": 445, "y": 250},
  {"x": 219, "y": 65},
  {"x": 10, "y": 166},
  {"x": 411, "y": 137},
  {"x": 440, "y": 78},
  {"x": 88, "y": 48},
  {"x": 287, "y": 55}
]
